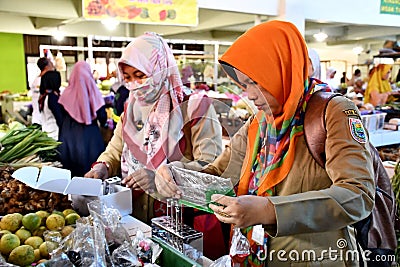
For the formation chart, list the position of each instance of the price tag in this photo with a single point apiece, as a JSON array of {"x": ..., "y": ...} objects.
[{"x": 258, "y": 234}]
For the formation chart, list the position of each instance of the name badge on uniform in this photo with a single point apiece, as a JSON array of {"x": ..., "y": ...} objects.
[{"x": 258, "y": 234}]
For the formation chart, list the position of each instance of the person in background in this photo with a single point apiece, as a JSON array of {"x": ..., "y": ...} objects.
[
  {"x": 358, "y": 86},
  {"x": 44, "y": 64},
  {"x": 96, "y": 76},
  {"x": 330, "y": 78},
  {"x": 159, "y": 125},
  {"x": 50, "y": 109},
  {"x": 378, "y": 90},
  {"x": 356, "y": 75},
  {"x": 314, "y": 67},
  {"x": 84, "y": 109},
  {"x": 344, "y": 79},
  {"x": 285, "y": 201}
]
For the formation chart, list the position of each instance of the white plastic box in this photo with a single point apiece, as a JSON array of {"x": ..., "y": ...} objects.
[
  {"x": 121, "y": 200},
  {"x": 82, "y": 190},
  {"x": 373, "y": 122}
]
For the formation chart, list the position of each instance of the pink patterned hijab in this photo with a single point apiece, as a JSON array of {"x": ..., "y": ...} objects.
[
  {"x": 82, "y": 98},
  {"x": 162, "y": 127}
]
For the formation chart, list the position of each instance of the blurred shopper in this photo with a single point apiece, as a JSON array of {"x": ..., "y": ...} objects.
[
  {"x": 330, "y": 78},
  {"x": 44, "y": 64},
  {"x": 354, "y": 77},
  {"x": 84, "y": 108},
  {"x": 314, "y": 68},
  {"x": 378, "y": 88},
  {"x": 50, "y": 110}
]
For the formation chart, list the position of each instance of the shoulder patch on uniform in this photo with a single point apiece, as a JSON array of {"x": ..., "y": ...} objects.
[
  {"x": 357, "y": 130},
  {"x": 351, "y": 113}
]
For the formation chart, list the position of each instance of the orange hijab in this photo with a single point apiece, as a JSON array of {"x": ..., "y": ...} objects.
[
  {"x": 274, "y": 55},
  {"x": 376, "y": 83}
]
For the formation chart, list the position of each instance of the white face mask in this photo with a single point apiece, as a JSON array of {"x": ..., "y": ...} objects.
[
  {"x": 142, "y": 84},
  {"x": 144, "y": 91}
]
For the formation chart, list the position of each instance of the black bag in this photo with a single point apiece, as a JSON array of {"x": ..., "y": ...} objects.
[{"x": 376, "y": 233}]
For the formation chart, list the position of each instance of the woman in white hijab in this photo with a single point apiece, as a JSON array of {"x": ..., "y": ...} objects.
[
  {"x": 314, "y": 70},
  {"x": 330, "y": 78}
]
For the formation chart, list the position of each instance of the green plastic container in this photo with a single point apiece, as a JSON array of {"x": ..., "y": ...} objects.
[{"x": 170, "y": 257}]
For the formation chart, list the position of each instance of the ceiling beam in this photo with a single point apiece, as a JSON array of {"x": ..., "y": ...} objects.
[{"x": 57, "y": 9}]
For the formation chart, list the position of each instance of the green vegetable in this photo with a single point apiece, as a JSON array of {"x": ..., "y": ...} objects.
[{"x": 22, "y": 143}]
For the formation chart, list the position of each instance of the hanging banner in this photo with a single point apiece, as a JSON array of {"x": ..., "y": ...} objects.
[
  {"x": 390, "y": 7},
  {"x": 161, "y": 12}
]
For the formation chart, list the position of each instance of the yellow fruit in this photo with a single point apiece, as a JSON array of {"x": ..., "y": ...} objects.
[
  {"x": 34, "y": 241},
  {"x": 3, "y": 232},
  {"x": 67, "y": 230},
  {"x": 39, "y": 231},
  {"x": 18, "y": 215},
  {"x": 58, "y": 212},
  {"x": 22, "y": 255},
  {"x": 31, "y": 221},
  {"x": 71, "y": 218},
  {"x": 68, "y": 211},
  {"x": 23, "y": 235},
  {"x": 11, "y": 222},
  {"x": 46, "y": 248},
  {"x": 8, "y": 242},
  {"x": 43, "y": 215},
  {"x": 37, "y": 254},
  {"x": 55, "y": 222}
]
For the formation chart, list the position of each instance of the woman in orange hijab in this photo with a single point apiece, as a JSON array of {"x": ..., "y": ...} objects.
[
  {"x": 378, "y": 88},
  {"x": 287, "y": 205}
]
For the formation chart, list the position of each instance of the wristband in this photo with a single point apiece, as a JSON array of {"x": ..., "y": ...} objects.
[{"x": 100, "y": 162}]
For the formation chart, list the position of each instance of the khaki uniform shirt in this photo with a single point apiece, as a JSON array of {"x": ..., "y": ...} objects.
[
  {"x": 315, "y": 206},
  {"x": 203, "y": 143}
]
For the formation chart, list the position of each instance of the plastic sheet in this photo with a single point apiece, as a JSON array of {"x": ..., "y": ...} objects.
[{"x": 197, "y": 187}]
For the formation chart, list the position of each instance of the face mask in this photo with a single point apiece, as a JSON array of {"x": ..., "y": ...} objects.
[{"x": 136, "y": 85}]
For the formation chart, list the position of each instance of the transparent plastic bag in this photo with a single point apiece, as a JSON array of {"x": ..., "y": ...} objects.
[
  {"x": 240, "y": 246},
  {"x": 84, "y": 247},
  {"x": 147, "y": 251},
  {"x": 125, "y": 255},
  {"x": 240, "y": 249},
  {"x": 224, "y": 261}
]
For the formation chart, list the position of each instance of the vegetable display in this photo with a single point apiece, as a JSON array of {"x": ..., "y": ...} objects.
[{"x": 27, "y": 144}]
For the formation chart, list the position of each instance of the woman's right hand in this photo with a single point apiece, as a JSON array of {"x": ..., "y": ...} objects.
[
  {"x": 165, "y": 183},
  {"x": 99, "y": 171}
]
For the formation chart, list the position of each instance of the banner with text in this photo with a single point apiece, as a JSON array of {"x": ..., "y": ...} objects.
[
  {"x": 161, "y": 12},
  {"x": 390, "y": 7}
]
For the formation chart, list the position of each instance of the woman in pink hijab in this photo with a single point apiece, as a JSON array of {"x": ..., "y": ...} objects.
[
  {"x": 80, "y": 135},
  {"x": 160, "y": 124}
]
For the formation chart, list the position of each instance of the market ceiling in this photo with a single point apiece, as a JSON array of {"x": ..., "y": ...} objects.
[{"x": 42, "y": 17}]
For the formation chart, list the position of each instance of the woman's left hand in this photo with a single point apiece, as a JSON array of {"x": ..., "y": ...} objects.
[
  {"x": 142, "y": 179},
  {"x": 243, "y": 211}
]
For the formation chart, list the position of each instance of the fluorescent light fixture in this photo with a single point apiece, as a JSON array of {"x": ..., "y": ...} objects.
[
  {"x": 320, "y": 37},
  {"x": 357, "y": 50},
  {"x": 110, "y": 23}
]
